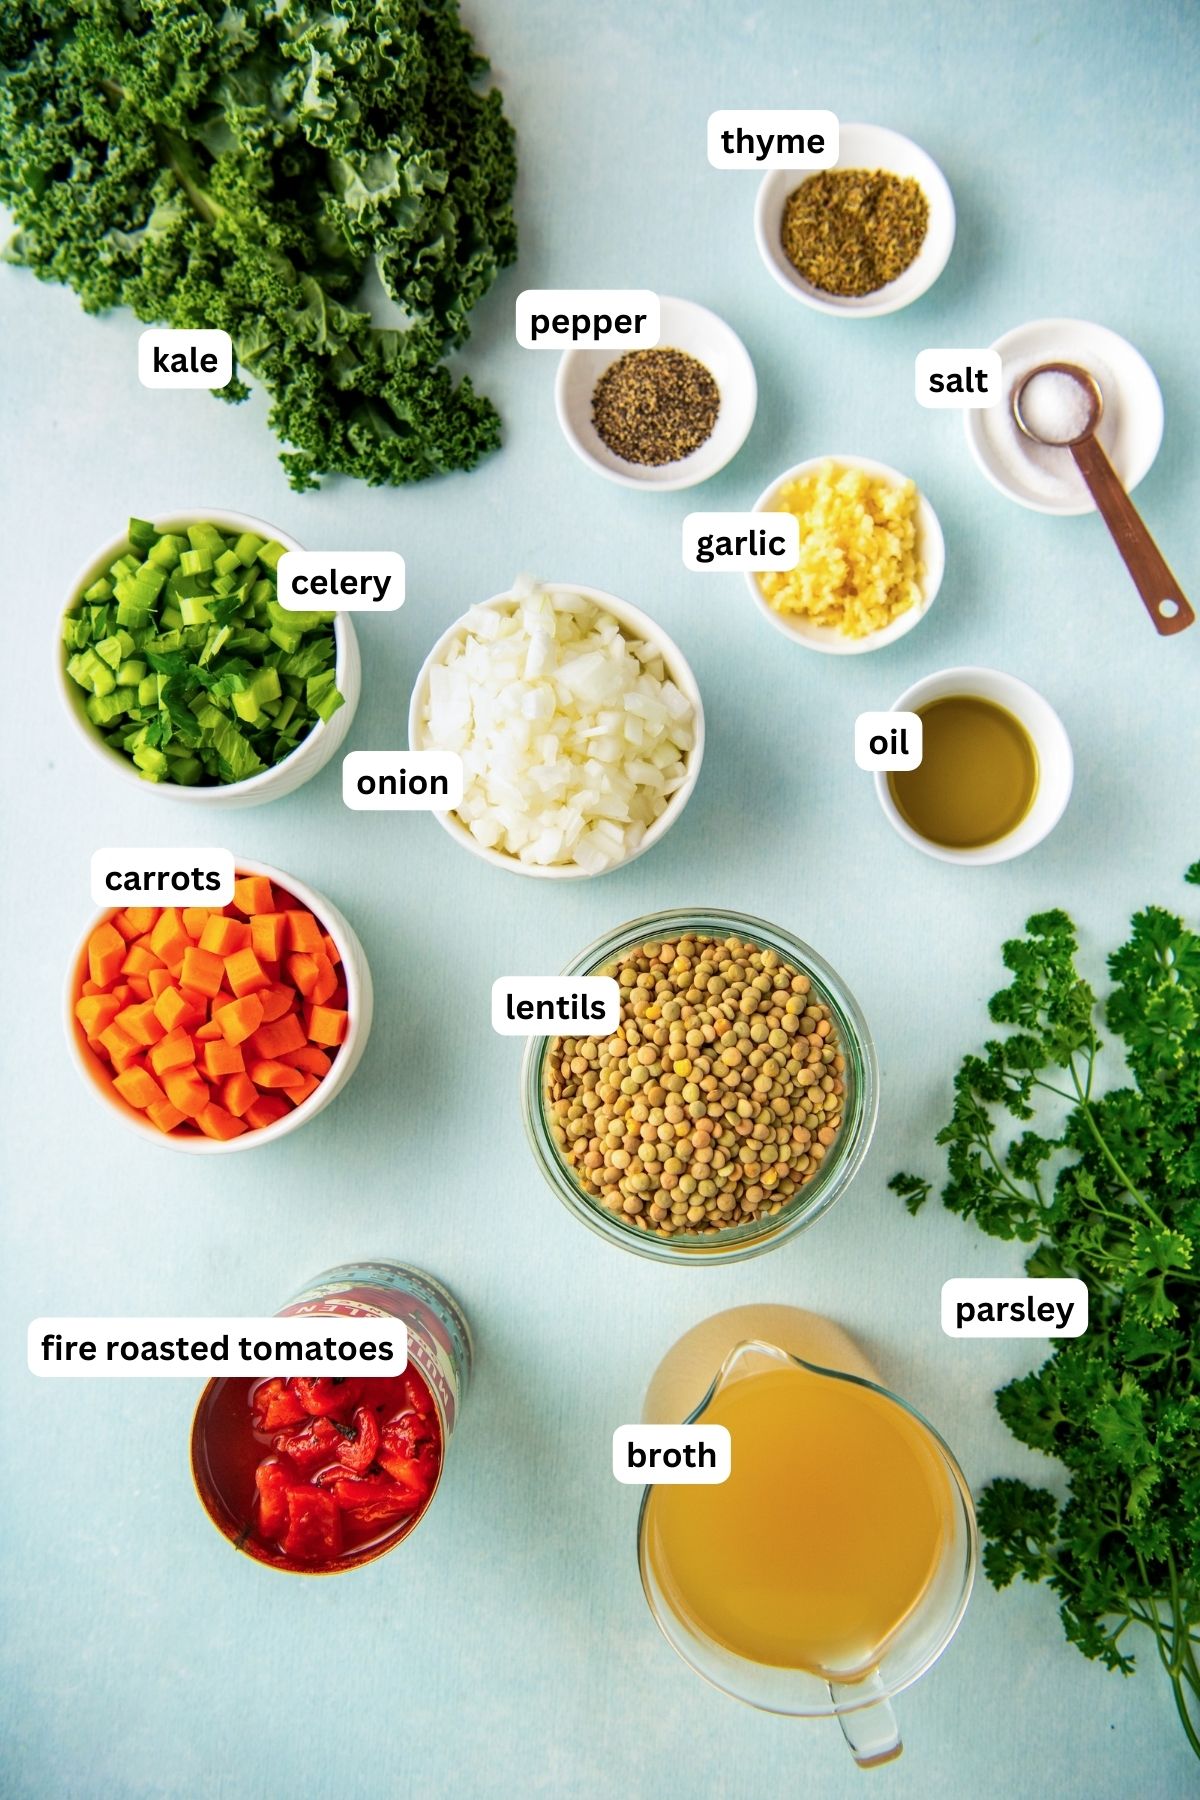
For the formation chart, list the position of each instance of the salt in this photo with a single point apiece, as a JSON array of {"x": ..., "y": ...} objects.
[
  {"x": 1056, "y": 407},
  {"x": 1045, "y": 474}
]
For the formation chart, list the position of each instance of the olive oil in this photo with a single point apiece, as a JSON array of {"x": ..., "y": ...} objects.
[{"x": 977, "y": 778}]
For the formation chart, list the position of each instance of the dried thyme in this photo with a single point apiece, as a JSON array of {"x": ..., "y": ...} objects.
[{"x": 851, "y": 231}]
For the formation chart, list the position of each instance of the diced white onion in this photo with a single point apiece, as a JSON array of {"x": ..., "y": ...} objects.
[{"x": 572, "y": 734}]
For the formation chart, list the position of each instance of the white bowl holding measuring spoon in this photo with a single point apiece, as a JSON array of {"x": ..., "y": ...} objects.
[
  {"x": 1130, "y": 429},
  {"x": 862, "y": 147},
  {"x": 699, "y": 333},
  {"x": 931, "y": 549},
  {"x": 1047, "y": 733}
]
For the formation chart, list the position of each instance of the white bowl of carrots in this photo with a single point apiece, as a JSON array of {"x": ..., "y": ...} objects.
[{"x": 220, "y": 1028}]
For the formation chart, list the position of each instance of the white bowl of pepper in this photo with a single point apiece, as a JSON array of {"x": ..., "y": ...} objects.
[
  {"x": 867, "y": 237},
  {"x": 662, "y": 418}
]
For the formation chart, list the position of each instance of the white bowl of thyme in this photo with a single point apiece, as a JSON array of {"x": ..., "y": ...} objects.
[
  {"x": 665, "y": 418},
  {"x": 859, "y": 249}
]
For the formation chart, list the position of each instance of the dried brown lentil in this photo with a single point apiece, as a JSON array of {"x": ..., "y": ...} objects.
[
  {"x": 655, "y": 406},
  {"x": 756, "y": 1118},
  {"x": 851, "y": 231}
]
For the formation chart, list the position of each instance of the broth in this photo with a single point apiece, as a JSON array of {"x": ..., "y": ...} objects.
[{"x": 824, "y": 1538}]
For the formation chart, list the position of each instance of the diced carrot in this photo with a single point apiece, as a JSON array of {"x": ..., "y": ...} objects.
[
  {"x": 327, "y": 981},
  {"x": 164, "y": 1115},
  {"x": 215, "y": 1122},
  {"x": 310, "y": 1059},
  {"x": 327, "y": 1024},
  {"x": 169, "y": 940},
  {"x": 223, "y": 936},
  {"x": 195, "y": 918},
  {"x": 208, "y": 1033},
  {"x": 221, "y": 1058},
  {"x": 253, "y": 894},
  {"x": 271, "y": 1041},
  {"x": 268, "y": 935},
  {"x": 90, "y": 987},
  {"x": 239, "y": 1018},
  {"x": 139, "y": 1023},
  {"x": 195, "y": 998},
  {"x": 266, "y": 1109},
  {"x": 298, "y": 1095},
  {"x": 186, "y": 1090},
  {"x": 138, "y": 1087},
  {"x": 120, "y": 1046},
  {"x": 269, "y": 1074},
  {"x": 238, "y": 1094},
  {"x": 203, "y": 970},
  {"x": 302, "y": 972},
  {"x": 245, "y": 973},
  {"x": 106, "y": 953},
  {"x": 276, "y": 1001},
  {"x": 96, "y": 1013},
  {"x": 176, "y": 1051},
  {"x": 159, "y": 980},
  {"x": 122, "y": 992},
  {"x": 139, "y": 987},
  {"x": 139, "y": 960},
  {"x": 143, "y": 917},
  {"x": 128, "y": 926},
  {"x": 171, "y": 1010},
  {"x": 332, "y": 951},
  {"x": 303, "y": 932}
]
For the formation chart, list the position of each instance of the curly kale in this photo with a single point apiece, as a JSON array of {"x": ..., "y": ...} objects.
[
  {"x": 1120, "y": 1406},
  {"x": 245, "y": 166}
]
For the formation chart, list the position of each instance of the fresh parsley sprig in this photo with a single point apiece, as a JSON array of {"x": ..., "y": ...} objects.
[{"x": 1104, "y": 1184}]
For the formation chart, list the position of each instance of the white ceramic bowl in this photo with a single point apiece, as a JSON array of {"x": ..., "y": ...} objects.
[
  {"x": 1130, "y": 429},
  {"x": 931, "y": 548},
  {"x": 688, "y": 327},
  {"x": 1056, "y": 765},
  {"x": 637, "y": 624},
  {"x": 862, "y": 147},
  {"x": 359, "y": 1007},
  {"x": 309, "y": 756}
]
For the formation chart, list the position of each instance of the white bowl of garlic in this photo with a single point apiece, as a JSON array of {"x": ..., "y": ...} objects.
[{"x": 579, "y": 723}]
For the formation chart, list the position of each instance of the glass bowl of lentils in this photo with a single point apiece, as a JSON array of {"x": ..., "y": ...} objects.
[{"x": 731, "y": 1107}]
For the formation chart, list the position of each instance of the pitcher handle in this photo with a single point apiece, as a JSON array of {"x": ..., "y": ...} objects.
[{"x": 870, "y": 1730}]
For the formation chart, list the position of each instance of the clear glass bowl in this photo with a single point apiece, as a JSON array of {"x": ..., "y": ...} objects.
[{"x": 845, "y": 1154}]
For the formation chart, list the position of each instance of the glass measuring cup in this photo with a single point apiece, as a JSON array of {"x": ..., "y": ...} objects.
[{"x": 714, "y": 1620}]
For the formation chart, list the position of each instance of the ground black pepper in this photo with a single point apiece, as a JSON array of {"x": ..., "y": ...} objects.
[
  {"x": 851, "y": 231},
  {"x": 655, "y": 406}
]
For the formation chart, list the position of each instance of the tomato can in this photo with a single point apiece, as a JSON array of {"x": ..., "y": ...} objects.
[
  {"x": 439, "y": 1338},
  {"x": 439, "y": 1351}
]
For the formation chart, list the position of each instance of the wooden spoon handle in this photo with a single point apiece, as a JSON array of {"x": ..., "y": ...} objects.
[{"x": 1161, "y": 594}]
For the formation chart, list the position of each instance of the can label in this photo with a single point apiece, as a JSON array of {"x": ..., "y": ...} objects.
[{"x": 439, "y": 1338}]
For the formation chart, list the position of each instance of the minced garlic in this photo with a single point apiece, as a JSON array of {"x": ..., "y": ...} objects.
[{"x": 858, "y": 568}]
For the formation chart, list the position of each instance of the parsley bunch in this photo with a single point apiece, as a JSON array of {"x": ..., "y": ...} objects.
[
  {"x": 245, "y": 166},
  {"x": 1109, "y": 1193}
]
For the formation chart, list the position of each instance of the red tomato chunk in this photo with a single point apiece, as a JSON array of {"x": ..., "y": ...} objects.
[{"x": 320, "y": 1473}]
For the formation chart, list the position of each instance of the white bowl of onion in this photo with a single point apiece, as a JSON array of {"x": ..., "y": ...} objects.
[{"x": 580, "y": 746}]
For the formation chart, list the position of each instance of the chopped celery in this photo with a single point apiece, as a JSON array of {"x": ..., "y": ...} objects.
[{"x": 189, "y": 665}]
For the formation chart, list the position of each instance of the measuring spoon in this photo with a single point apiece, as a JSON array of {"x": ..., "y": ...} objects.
[{"x": 1161, "y": 594}]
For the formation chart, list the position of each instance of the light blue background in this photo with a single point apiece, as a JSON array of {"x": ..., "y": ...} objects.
[{"x": 507, "y": 1649}]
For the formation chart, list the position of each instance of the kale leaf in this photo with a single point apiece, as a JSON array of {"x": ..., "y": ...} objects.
[{"x": 245, "y": 167}]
